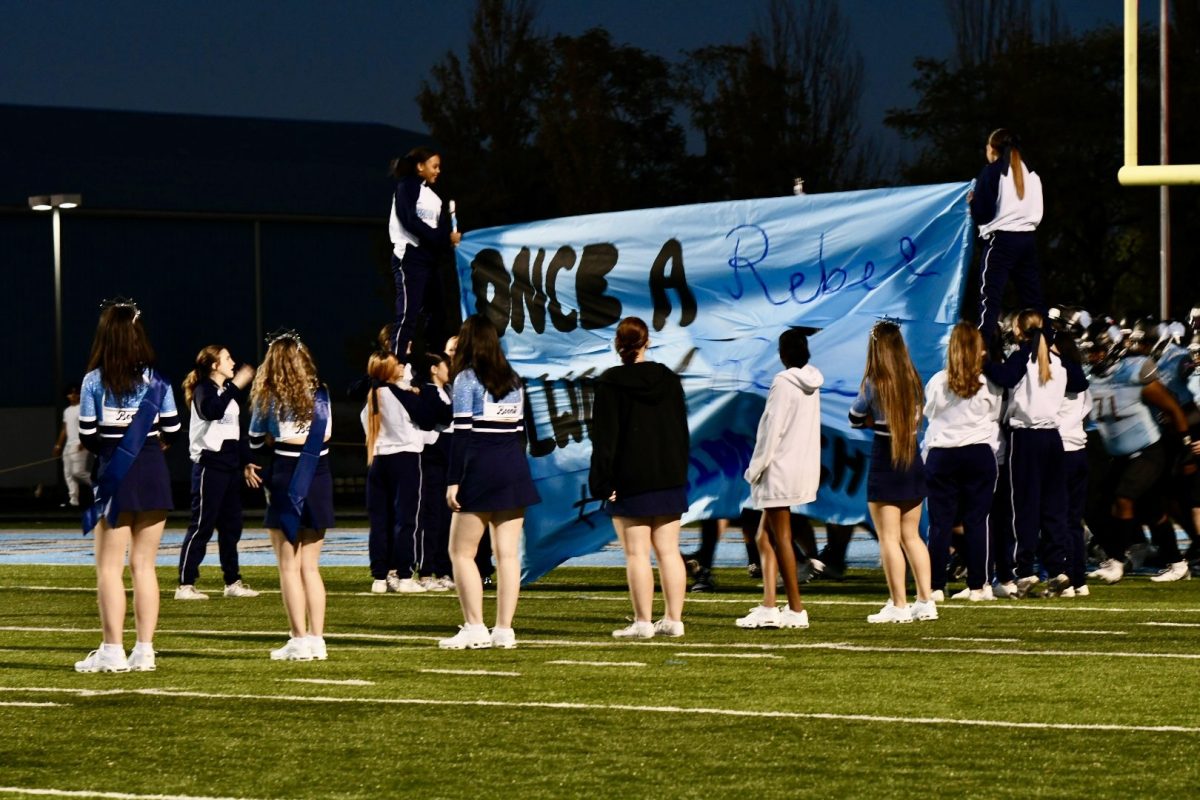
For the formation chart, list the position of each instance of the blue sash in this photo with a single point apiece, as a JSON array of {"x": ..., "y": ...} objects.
[
  {"x": 306, "y": 467},
  {"x": 113, "y": 472}
]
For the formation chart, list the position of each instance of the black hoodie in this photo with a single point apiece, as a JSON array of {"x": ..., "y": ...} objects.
[{"x": 639, "y": 431}]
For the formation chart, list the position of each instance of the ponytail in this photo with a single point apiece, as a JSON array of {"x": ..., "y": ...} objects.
[
  {"x": 1043, "y": 357},
  {"x": 380, "y": 367},
  {"x": 1031, "y": 320},
  {"x": 206, "y": 360},
  {"x": 1006, "y": 145}
]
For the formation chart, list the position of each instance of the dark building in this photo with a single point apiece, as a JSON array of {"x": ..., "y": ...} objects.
[{"x": 221, "y": 228}]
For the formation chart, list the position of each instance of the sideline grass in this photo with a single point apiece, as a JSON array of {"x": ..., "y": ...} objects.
[{"x": 886, "y": 711}]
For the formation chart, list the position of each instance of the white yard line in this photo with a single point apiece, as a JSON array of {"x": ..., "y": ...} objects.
[
  {"x": 609, "y": 643},
  {"x": 329, "y": 682},
  {"x": 18, "y": 704},
  {"x": 1173, "y": 624},
  {"x": 106, "y": 795},
  {"x": 1081, "y": 633},
  {"x": 969, "y": 639},
  {"x": 501, "y": 673},
  {"x": 568, "y": 662},
  {"x": 727, "y": 655},
  {"x": 602, "y": 707}
]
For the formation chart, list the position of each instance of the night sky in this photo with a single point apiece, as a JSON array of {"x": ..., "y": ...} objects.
[{"x": 364, "y": 61}]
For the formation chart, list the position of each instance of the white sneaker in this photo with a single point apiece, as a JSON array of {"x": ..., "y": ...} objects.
[
  {"x": 103, "y": 660},
  {"x": 1028, "y": 586},
  {"x": 316, "y": 645},
  {"x": 924, "y": 610},
  {"x": 1068, "y": 592},
  {"x": 1056, "y": 585},
  {"x": 141, "y": 659},
  {"x": 433, "y": 584},
  {"x": 988, "y": 594},
  {"x": 638, "y": 630},
  {"x": 1005, "y": 591},
  {"x": 1179, "y": 571},
  {"x": 469, "y": 637},
  {"x": 296, "y": 649},
  {"x": 793, "y": 619},
  {"x": 447, "y": 583},
  {"x": 668, "y": 627},
  {"x": 760, "y": 617},
  {"x": 239, "y": 589},
  {"x": 1110, "y": 571},
  {"x": 379, "y": 586},
  {"x": 891, "y": 613},
  {"x": 937, "y": 596},
  {"x": 1082, "y": 591},
  {"x": 504, "y": 638},
  {"x": 965, "y": 594},
  {"x": 392, "y": 582},
  {"x": 410, "y": 586},
  {"x": 188, "y": 592}
]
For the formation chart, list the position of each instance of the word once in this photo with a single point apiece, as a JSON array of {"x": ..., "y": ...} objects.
[{"x": 531, "y": 291}]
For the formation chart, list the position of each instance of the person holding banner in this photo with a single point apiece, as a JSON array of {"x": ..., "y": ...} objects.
[
  {"x": 785, "y": 471},
  {"x": 127, "y": 416},
  {"x": 889, "y": 401},
  {"x": 1006, "y": 204},
  {"x": 488, "y": 482},
  {"x": 420, "y": 233},
  {"x": 639, "y": 464},
  {"x": 289, "y": 404}
]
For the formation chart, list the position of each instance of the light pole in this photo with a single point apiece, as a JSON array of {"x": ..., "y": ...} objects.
[{"x": 55, "y": 203}]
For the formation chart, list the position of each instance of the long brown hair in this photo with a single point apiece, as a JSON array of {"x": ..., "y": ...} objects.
[
  {"x": 286, "y": 380},
  {"x": 206, "y": 362},
  {"x": 964, "y": 360},
  {"x": 382, "y": 367},
  {"x": 1026, "y": 321},
  {"x": 120, "y": 349},
  {"x": 632, "y": 336},
  {"x": 1002, "y": 139},
  {"x": 898, "y": 387},
  {"x": 479, "y": 350}
]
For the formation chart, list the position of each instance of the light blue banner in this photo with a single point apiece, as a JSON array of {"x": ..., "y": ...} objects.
[{"x": 717, "y": 283}]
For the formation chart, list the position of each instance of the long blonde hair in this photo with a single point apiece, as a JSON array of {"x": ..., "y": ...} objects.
[
  {"x": 898, "y": 387},
  {"x": 382, "y": 367},
  {"x": 1026, "y": 321},
  {"x": 964, "y": 360},
  {"x": 206, "y": 362},
  {"x": 999, "y": 140},
  {"x": 286, "y": 381}
]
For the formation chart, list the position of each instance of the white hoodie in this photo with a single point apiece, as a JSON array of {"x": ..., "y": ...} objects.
[{"x": 785, "y": 469}]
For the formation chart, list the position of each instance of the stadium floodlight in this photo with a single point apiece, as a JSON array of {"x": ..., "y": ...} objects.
[{"x": 57, "y": 203}]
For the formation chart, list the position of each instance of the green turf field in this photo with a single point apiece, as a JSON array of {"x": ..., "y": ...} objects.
[{"x": 1089, "y": 697}]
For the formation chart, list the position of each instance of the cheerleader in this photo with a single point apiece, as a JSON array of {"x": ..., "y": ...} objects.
[
  {"x": 784, "y": 471},
  {"x": 488, "y": 482},
  {"x": 215, "y": 393},
  {"x": 435, "y": 565},
  {"x": 420, "y": 233},
  {"x": 289, "y": 405},
  {"x": 963, "y": 409},
  {"x": 127, "y": 417},
  {"x": 1072, "y": 419},
  {"x": 1006, "y": 204},
  {"x": 639, "y": 464},
  {"x": 889, "y": 402},
  {"x": 392, "y": 420},
  {"x": 1039, "y": 381}
]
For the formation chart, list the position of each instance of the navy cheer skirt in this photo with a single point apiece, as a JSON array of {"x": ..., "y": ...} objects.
[
  {"x": 318, "y": 504},
  {"x": 147, "y": 485},
  {"x": 496, "y": 476},
  {"x": 671, "y": 502},
  {"x": 885, "y": 483}
]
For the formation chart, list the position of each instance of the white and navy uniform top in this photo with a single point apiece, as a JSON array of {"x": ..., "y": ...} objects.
[
  {"x": 215, "y": 431},
  {"x": 417, "y": 220},
  {"x": 398, "y": 433},
  {"x": 1072, "y": 420},
  {"x": 1031, "y": 403},
  {"x": 867, "y": 404},
  {"x": 956, "y": 421},
  {"x": 270, "y": 424},
  {"x": 481, "y": 420},
  {"x": 437, "y": 433},
  {"x": 1124, "y": 420},
  {"x": 995, "y": 205},
  {"x": 103, "y": 417}
]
